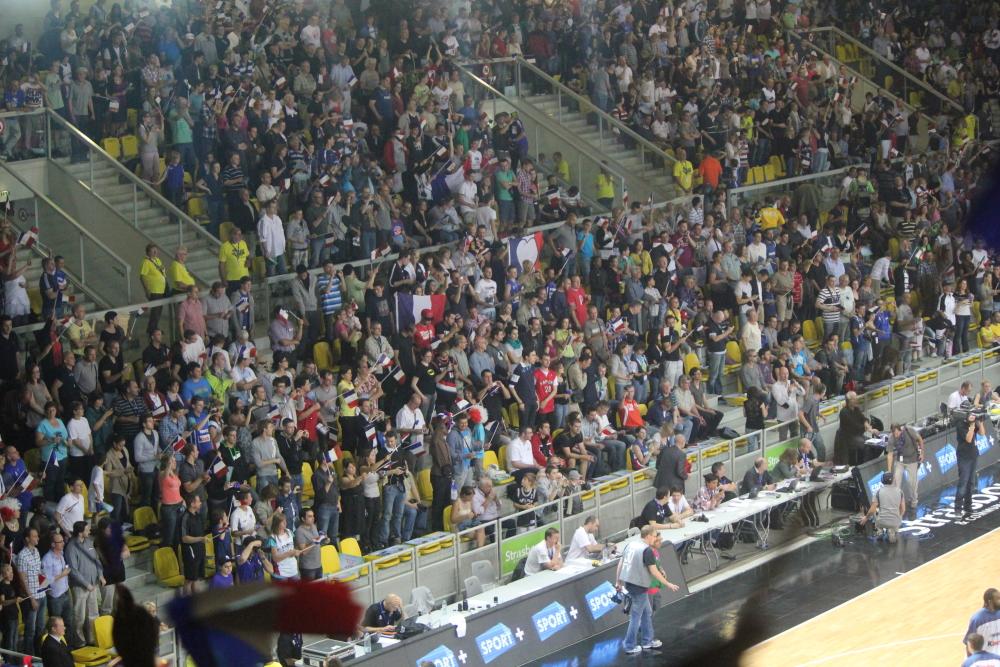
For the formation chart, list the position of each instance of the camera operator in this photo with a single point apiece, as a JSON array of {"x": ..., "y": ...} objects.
[
  {"x": 968, "y": 455},
  {"x": 250, "y": 564}
]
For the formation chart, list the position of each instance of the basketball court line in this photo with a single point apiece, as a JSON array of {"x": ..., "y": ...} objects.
[{"x": 967, "y": 546}]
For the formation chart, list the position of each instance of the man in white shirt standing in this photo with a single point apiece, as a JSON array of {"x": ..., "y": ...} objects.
[
  {"x": 544, "y": 555},
  {"x": 468, "y": 193},
  {"x": 410, "y": 421},
  {"x": 486, "y": 291},
  {"x": 786, "y": 396},
  {"x": 271, "y": 233},
  {"x": 522, "y": 458},
  {"x": 584, "y": 544},
  {"x": 70, "y": 507}
]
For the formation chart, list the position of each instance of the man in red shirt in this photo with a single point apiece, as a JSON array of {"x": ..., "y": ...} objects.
[
  {"x": 545, "y": 390},
  {"x": 710, "y": 170},
  {"x": 423, "y": 332},
  {"x": 628, "y": 412},
  {"x": 576, "y": 297}
]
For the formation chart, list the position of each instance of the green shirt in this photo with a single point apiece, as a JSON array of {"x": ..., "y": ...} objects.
[
  {"x": 503, "y": 194},
  {"x": 182, "y": 131}
]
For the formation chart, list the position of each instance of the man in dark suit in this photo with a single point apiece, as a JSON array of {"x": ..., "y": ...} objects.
[
  {"x": 758, "y": 477},
  {"x": 671, "y": 465},
  {"x": 55, "y": 652}
]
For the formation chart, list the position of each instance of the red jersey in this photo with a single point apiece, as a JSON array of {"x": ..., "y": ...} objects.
[
  {"x": 423, "y": 336},
  {"x": 545, "y": 382},
  {"x": 630, "y": 416},
  {"x": 577, "y": 300},
  {"x": 308, "y": 423}
]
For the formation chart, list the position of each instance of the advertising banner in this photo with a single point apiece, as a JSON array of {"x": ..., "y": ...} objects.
[{"x": 529, "y": 627}]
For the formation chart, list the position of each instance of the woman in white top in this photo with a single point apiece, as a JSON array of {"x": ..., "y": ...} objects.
[
  {"x": 284, "y": 555},
  {"x": 370, "y": 476},
  {"x": 963, "y": 315},
  {"x": 80, "y": 443}
]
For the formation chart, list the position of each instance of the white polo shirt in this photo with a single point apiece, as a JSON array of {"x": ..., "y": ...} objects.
[
  {"x": 578, "y": 545},
  {"x": 538, "y": 556}
]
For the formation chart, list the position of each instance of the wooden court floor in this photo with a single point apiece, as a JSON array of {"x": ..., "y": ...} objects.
[{"x": 919, "y": 617}]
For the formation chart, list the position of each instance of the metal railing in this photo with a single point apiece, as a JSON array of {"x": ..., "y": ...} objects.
[
  {"x": 903, "y": 84},
  {"x": 544, "y": 136},
  {"x": 98, "y": 268},
  {"x": 187, "y": 228},
  {"x": 611, "y": 129},
  {"x": 865, "y": 85}
]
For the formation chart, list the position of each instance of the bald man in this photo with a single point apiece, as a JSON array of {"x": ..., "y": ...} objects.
[{"x": 383, "y": 615}]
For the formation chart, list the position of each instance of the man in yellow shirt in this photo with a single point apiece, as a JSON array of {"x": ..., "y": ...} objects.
[
  {"x": 991, "y": 332},
  {"x": 180, "y": 278},
  {"x": 153, "y": 275},
  {"x": 234, "y": 260},
  {"x": 80, "y": 332},
  {"x": 683, "y": 171},
  {"x": 561, "y": 166},
  {"x": 771, "y": 217}
]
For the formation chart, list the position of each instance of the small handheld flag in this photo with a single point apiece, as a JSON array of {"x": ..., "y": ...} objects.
[
  {"x": 28, "y": 238},
  {"x": 219, "y": 467},
  {"x": 330, "y": 455}
]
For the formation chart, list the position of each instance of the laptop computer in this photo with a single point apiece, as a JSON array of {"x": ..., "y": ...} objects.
[
  {"x": 814, "y": 476},
  {"x": 754, "y": 492}
]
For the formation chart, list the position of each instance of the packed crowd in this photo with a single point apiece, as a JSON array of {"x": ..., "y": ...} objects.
[{"x": 384, "y": 398}]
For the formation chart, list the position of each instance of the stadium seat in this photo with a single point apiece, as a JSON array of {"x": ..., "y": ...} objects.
[
  {"x": 424, "y": 486},
  {"x": 323, "y": 356},
  {"x": 486, "y": 573},
  {"x": 490, "y": 459},
  {"x": 142, "y": 518},
  {"x": 769, "y": 173},
  {"x": 734, "y": 357},
  {"x": 691, "y": 361},
  {"x": 91, "y": 656},
  {"x": 196, "y": 207},
  {"x": 330, "y": 559},
  {"x": 112, "y": 146},
  {"x": 809, "y": 333},
  {"x": 473, "y": 586},
  {"x": 612, "y": 389},
  {"x": 502, "y": 456},
  {"x": 307, "y": 483},
  {"x": 166, "y": 567},
  {"x": 350, "y": 547},
  {"x": 209, "y": 558},
  {"x": 447, "y": 520},
  {"x": 758, "y": 175},
  {"x": 130, "y": 147}
]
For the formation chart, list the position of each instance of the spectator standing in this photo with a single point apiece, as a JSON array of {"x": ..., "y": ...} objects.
[{"x": 86, "y": 579}]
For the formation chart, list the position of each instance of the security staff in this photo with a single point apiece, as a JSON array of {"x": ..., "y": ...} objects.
[
  {"x": 383, "y": 615},
  {"x": 636, "y": 567}
]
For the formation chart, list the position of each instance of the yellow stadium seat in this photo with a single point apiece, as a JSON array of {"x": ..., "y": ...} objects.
[
  {"x": 447, "y": 520},
  {"x": 779, "y": 166},
  {"x": 490, "y": 458},
  {"x": 209, "y": 558},
  {"x": 734, "y": 356},
  {"x": 758, "y": 175},
  {"x": 841, "y": 53},
  {"x": 132, "y": 118},
  {"x": 350, "y": 546},
  {"x": 323, "y": 356},
  {"x": 307, "y": 481},
  {"x": 329, "y": 558},
  {"x": 130, "y": 147},
  {"x": 612, "y": 389},
  {"x": 90, "y": 656},
  {"x": 888, "y": 82},
  {"x": 809, "y": 333},
  {"x": 112, "y": 146},
  {"x": 142, "y": 518},
  {"x": 514, "y": 416},
  {"x": 259, "y": 268},
  {"x": 35, "y": 300},
  {"x": 502, "y": 456},
  {"x": 691, "y": 361},
  {"x": 166, "y": 567},
  {"x": 749, "y": 179},
  {"x": 424, "y": 486},
  {"x": 769, "y": 173},
  {"x": 196, "y": 207}
]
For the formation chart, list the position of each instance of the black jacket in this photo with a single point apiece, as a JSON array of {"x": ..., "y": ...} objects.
[
  {"x": 55, "y": 653},
  {"x": 671, "y": 468}
]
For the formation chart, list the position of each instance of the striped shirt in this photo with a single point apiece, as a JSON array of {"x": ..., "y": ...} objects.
[
  {"x": 830, "y": 297},
  {"x": 329, "y": 301}
]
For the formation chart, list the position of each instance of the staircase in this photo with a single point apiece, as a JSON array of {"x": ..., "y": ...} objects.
[
  {"x": 148, "y": 216},
  {"x": 645, "y": 172},
  {"x": 80, "y": 294}
]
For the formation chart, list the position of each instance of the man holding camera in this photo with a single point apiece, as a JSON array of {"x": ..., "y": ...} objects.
[{"x": 968, "y": 456}]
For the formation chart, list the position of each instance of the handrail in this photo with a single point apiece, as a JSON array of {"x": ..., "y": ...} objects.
[
  {"x": 885, "y": 61},
  {"x": 614, "y": 122},
  {"x": 883, "y": 91},
  {"x": 137, "y": 182},
  {"x": 81, "y": 230},
  {"x": 580, "y": 99},
  {"x": 534, "y": 114}
]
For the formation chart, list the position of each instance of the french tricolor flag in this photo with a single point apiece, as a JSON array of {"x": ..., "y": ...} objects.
[
  {"x": 410, "y": 306},
  {"x": 525, "y": 249},
  {"x": 219, "y": 467},
  {"x": 28, "y": 237},
  {"x": 383, "y": 361},
  {"x": 179, "y": 444},
  {"x": 331, "y": 455},
  {"x": 618, "y": 325},
  {"x": 370, "y": 433},
  {"x": 350, "y": 399}
]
